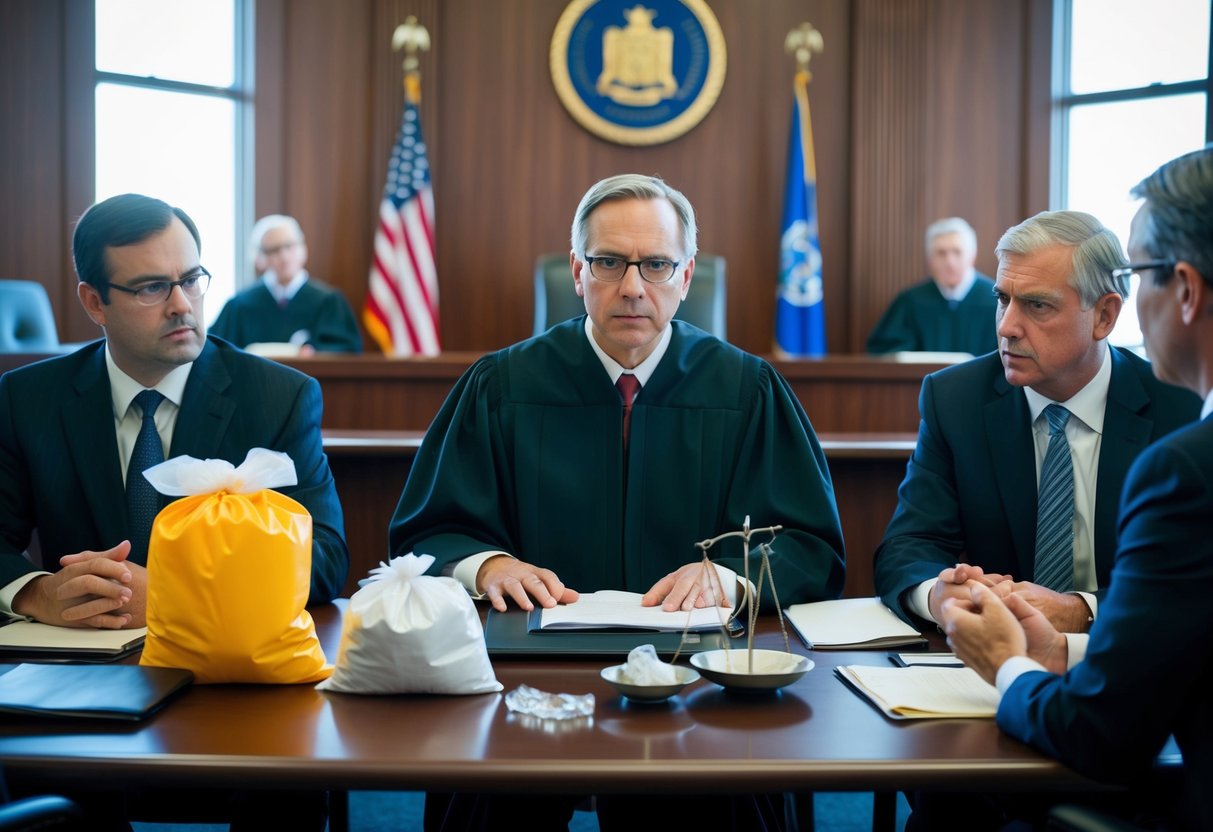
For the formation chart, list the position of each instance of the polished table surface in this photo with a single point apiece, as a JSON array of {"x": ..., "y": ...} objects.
[{"x": 814, "y": 734}]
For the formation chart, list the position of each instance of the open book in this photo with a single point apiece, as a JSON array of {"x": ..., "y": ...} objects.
[
  {"x": 923, "y": 692},
  {"x": 850, "y": 623},
  {"x": 33, "y": 639},
  {"x": 614, "y": 609}
]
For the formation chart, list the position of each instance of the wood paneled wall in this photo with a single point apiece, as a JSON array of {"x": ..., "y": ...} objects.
[{"x": 921, "y": 108}]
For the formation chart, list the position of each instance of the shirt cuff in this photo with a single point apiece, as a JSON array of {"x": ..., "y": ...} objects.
[
  {"x": 467, "y": 569},
  {"x": 1076, "y": 648},
  {"x": 9, "y": 592},
  {"x": 918, "y": 600},
  {"x": 1092, "y": 602},
  {"x": 730, "y": 581},
  {"x": 1012, "y": 669}
]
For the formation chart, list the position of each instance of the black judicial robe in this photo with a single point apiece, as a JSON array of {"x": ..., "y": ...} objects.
[
  {"x": 920, "y": 318},
  {"x": 526, "y": 456},
  {"x": 253, "y": 316}
]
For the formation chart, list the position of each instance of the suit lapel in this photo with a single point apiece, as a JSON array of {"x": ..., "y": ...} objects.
[
  {"x": 1013, "y": 456},
  {"x": 87, "y": 419},
  {"x": 1126, "y": 431},
  {"x": 206, "y": 408}
]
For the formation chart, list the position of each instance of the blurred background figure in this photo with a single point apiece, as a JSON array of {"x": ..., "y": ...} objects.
[
  {"x": 953, "y": 310},
  {"x": 287, "y": 311}
]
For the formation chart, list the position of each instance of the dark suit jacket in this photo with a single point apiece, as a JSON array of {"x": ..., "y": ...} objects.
[
  {"x": 59, "y": 467},
  {"x": 1149, "y": 663},
  {"x": 969, "y": 494}
]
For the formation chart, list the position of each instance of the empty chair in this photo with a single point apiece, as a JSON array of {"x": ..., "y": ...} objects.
[
  {"x": 556, "y": 300},
  {"x": 27, "y": 322}
]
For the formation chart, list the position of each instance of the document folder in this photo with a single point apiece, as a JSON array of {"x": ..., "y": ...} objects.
[
  {"x": 96, "y": 691},
  {"x": 510, "y": 634}
]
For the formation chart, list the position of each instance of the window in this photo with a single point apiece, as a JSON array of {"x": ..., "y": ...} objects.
[
  {"x": 1132, "y": 91},
  {"x": 174, "y": 118}
]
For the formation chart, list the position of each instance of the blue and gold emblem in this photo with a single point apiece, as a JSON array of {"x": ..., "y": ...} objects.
[{"x": 638, "y": 72}]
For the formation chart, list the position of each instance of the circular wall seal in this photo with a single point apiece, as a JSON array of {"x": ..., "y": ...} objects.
[{"x": 638, "y": 72}]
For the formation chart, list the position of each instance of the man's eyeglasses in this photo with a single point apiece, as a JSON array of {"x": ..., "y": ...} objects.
[
  {"x": 612, "y": 269},
  {"x": 1133, "y": 268},
  {"x": 156, "y": 292}
]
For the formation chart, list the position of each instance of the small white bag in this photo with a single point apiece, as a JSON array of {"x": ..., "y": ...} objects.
[{"x": 408, "y": 632}]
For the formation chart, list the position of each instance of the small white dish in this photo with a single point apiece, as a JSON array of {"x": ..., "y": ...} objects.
[
  {"x": 732, "y": 669},
  {"x": 649, "y": 693}
]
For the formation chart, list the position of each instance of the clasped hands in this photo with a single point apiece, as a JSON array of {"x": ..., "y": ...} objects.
[
  {"x": 1066, "y": 611},
  {"x": 504, "y": 577},
  {"x": 989, "y": 618},
  {"x": 91, "y": 589}
]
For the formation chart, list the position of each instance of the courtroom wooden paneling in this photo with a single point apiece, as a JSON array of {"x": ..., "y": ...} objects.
[{"x": 921, "y": 108}]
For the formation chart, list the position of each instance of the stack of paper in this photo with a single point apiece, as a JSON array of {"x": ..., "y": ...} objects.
[
  {"x": 851, "y": 623},
  {"x": 923, "y": 692},
  {"x": 615, "y": 609}
]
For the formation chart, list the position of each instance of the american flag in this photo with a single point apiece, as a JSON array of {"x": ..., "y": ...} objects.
[{"x": 401, "y": 312}]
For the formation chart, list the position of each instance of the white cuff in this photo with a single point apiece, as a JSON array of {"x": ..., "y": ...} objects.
[
  {"x": 918, "y": 599},
  {"x": 1076, "y": 648},
  {"x": 467, "y": 569},
  {"x": 1012, "y": 669},
  {"x": 9, "y": 591},
  {"x": 1092, "y": 602}
]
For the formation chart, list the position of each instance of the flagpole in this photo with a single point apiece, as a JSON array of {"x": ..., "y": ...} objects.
[
  {"x": 800, "y": 308},
  {"x": 401, "y": 311}
]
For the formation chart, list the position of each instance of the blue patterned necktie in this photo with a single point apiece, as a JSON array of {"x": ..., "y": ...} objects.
[
  {"x": 1055, "y": 508},
  {"x": 142, "y": 501}
]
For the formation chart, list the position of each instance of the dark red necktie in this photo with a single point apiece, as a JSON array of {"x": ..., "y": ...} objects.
[{"x": 628, "y": 386}]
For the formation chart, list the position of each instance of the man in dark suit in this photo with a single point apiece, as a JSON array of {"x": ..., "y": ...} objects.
[
  {"x": 968, "y": 506},
  {"x": 1148, "y": 662},
  {"x": 68, "y": 425},
  {"x": 72, "y": 429}
]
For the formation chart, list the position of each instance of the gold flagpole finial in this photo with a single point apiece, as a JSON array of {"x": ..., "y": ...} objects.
[
  {"x": 410, "y": 36},
  {"x": 803, "y": 42}
]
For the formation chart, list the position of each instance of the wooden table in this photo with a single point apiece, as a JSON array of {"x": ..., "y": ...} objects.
[{"x": 814, "y": 735}]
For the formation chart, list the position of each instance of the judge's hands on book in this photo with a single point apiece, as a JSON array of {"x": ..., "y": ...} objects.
[
  {"x": 686, "y": 588},
  {"x": 505, "y": 577},
  {"x": 985, "y": 630},
  {"x": 92, "y": 589}
]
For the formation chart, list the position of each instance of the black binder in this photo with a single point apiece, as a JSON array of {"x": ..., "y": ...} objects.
[{"x": 89, "y": 691}]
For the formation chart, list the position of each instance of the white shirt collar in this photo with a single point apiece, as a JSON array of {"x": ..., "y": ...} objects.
[
  {"x": 644, "y": 369},
  {"x": 1088, "y": 404},
  {"x": 962, "y": 288},
  {"x": 123, "y": 388},
  {"x": 280, "y": 292}
]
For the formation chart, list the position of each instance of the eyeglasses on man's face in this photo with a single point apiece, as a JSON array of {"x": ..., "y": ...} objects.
[
  {"x": 1133, "y": 268},
  {"x": 155, "y": 292},
  {"x": 612, "y": 269}
]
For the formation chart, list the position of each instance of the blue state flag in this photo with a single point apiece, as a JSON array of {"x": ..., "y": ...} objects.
[{"x": 800, "y": 323}]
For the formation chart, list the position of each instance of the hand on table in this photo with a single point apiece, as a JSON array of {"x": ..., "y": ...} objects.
[
  {"x": 982, "y": 631},
  {"x": 92, "y": 589},
  {"x": 1066, "y": 611},
  {"x": 953, "y": 582},
  {"x": 503, "y": 577}
]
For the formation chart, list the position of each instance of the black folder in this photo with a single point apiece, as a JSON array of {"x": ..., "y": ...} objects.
[
  {"x": 511, "y": 634},
  {"x": 90, "y": 691}
]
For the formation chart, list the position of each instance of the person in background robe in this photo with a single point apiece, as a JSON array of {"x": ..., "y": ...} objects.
[
  {"x": 953, "y": 310},
  {"x": 287, "y": 305}
]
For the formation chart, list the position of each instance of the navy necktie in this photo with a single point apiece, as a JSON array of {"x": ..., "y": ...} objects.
[
  {"x": 1055, "y": 508},
  {"x": 142, "y": 501},
  {"x": 628, "y": 386}
]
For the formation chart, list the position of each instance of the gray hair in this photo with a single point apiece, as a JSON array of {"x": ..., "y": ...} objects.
[
  {"x": 1096, "y": 250},
  {"x": 266, "y": 224},
  {"x": 632, "y": 186},
  {"x": 950, "y": 225},
  {"x": 1179, "y": 212}
]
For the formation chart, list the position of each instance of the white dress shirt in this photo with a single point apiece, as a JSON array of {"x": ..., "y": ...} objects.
[{"x": 127, "y": 421}]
